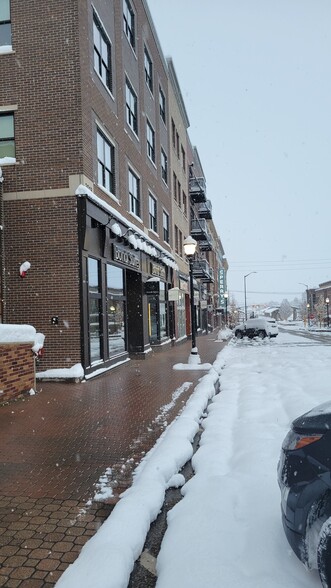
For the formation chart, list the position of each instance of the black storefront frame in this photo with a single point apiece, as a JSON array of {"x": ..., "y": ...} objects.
[{"x": 97, "y": 241}]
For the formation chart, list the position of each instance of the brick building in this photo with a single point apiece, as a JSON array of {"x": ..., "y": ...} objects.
[{"x": 87, "y": 196}]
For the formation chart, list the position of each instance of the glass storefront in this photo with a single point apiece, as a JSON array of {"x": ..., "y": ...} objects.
[
  {"x": 115, "y": 310},
  {"x": 106, "y": 311},
  {"x": 181, "y": 315},
  {"x": 94, "y": 290}
]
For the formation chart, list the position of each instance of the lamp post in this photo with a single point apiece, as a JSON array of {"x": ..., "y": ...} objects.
[
  {"x": 246, "y": 276},
  {"x": 190, "y": 245},
  {"x": 327, "y": 310},
  {"x": 307, "y": 296},
  {"x": 226, "y": 296}
]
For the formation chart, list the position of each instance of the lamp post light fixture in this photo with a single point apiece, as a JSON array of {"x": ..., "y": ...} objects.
[
  {"x": 327, "y": 300},
  {"x": 307, "y": 295},
  {"x": 246, "y": 276},
  {"x": 190, "y": 245},
  {"x": 226, "y": 296}
]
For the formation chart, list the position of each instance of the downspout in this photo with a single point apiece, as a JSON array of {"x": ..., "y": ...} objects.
[{"x": 2, "y": 252}]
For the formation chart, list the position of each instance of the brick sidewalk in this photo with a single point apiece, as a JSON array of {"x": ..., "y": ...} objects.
[{"x": 56, "y": 445}]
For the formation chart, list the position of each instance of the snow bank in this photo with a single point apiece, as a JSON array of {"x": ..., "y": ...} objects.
[{"x": 74, "y": 373}]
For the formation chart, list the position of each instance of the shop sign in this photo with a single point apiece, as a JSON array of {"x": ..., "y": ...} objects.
[
  {"x": 173, "y": 294},
  {"x": 158, "y": 270},
  {"x": 126, "y": 256},
  {"x": 196, "y": 298},
  {"x": 203, "y": 303}
]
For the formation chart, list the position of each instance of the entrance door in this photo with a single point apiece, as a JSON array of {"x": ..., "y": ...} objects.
[{"x": 153, "y": 318}]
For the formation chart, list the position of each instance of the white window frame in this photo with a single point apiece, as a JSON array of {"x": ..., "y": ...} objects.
[
  {"x": 129, "y": 23},
  {"x": 148, "y": 64},
  {"x": 150, "y": 140},
  {"x": 152, "y": 207},
  {"x": 134, "y": 193},
  {"x": 131, "y": 107},
  {"x": 106, "y": 162},
  {"x": 102, "y": 53}
]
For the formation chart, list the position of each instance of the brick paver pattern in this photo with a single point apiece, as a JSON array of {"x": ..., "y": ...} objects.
[{"x": 56, "y": 445}]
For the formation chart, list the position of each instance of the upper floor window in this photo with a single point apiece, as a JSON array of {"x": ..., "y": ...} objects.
[
  {"x": 131, "y": 107},
  {"x": 7, "y": 136},
  {"x": 174, "y": 185},
  {"x": 105, "y": 153},
  {"x": 102, "y": 53},
  {"x": 152, "y": 213},
  {"x": 5, "y": 24},
  {"x": 148, "y": 70},
  {"x": 184, "y": 203},
  {"x": 183, "y": 158},
  {"x": 134, "y": 193},
  {"x": 173, "y": 133},
  {"x": 165, "y": 221},
  {"x": 129, "y": 24},
  {"x": 150, "y": 142},
  {"x": 177, "y": 144},
  {"x": 162, "y": 103},
  {"x": 164, "y": 166}
]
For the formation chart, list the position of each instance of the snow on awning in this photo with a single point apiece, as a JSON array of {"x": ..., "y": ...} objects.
[{"x": 137, "y": 238}]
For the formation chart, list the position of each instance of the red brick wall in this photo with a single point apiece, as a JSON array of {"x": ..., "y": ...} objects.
[
  {"x": 44, "y": 232},
  {"x": 17, "y": 370}
]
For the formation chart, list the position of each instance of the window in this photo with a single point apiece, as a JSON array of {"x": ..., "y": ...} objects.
[
  {"x": 94, "y": 290},
  {"x": 115, "y": 310},
  {"x": 148, "y": 70},
  {"x": 180, "y": 243},
  {"x": 165, "y": 220},
  {"x": 105, "y": 153},
  {"x": 152, "y": 213},
  {"x": 102, "y": 53},
  {"x": 179, "y": 189},
  {"x": 128, "y": 20},
  {"x": 7, "y": 137},
  {"x": 131, "y": 108},
  {"x": 183, "y": 158},
  {"x": 173, "y": 133},
  {"x": 162, "y": 104},
  {"x": 164, "y": 166},
  {"x": 177, "y": 144},
  {"x": 174, "y": 181},
  {"x": 184, "y": 203},
  {"x": 5, "y": 24},
  {"x": 134, "y": 193},
  {"x": 176, "y": 239},
  {"x": 150, "y": 142}
]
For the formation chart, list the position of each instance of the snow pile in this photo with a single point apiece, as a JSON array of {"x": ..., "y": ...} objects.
[
  {"x": 76, "y": 372},
  {"x": 39, "y": 341},
  {"x": 17, "y": 333},
  {"x": 7, "y": 160},
  {"x": 224, "y": 334},
  {"x": 120, "y": 540}
]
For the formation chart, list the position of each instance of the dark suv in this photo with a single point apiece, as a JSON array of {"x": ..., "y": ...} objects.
[{"x": 304, "y": 476}]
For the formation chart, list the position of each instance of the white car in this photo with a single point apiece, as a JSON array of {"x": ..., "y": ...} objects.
[{"x": 257, "y": 327}]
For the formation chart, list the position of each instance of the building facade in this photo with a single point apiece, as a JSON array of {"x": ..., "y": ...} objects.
[{"x": 87, "y": 201}]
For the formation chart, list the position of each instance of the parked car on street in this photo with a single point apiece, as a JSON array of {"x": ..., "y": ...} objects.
[
  {"x": 304, "y": 476},
  {"x": 257, "y": 327}
]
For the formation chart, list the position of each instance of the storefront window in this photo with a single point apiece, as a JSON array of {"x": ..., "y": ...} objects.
[
  {"x": 115, "y": 310},
  {"x": 162, "y": 312},
  {"x": 181, "y": 316},
  {"x": 94, "y": 310}
]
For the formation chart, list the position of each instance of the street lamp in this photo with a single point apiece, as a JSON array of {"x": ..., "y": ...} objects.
[
  {"x": 327, "y": 310},
  {"x": 246, "y": 276},
  {"x": 226, "y": 296},
  {"x": 307, "y": 295},
  {"x": 190, "y": 246}
]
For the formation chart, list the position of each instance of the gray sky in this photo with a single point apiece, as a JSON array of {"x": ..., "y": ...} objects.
[{"x": 256, "y": 79}]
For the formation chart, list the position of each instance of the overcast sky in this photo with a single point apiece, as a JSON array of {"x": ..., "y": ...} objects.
[{"x": 256, "y": 79}]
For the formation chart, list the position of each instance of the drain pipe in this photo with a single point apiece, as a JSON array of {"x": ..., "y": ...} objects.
[{"x": 2, "y": 252}]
